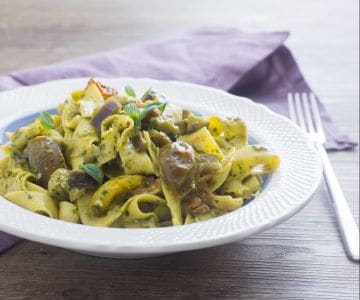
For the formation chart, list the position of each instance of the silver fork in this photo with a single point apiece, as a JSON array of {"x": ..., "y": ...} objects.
[{"x": 303, "y": 110}]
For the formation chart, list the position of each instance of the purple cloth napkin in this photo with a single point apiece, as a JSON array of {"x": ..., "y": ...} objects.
[{"x": 255, "y": 65}]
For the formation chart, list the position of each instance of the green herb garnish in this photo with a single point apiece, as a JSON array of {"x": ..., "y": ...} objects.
[
  {"x": 134, "y": 113},
  {"x": 146, "y": 109},
  {"x": 130, "y": 91},
  {"x": 138, "y": 114},
  {"x": 94, "y": 171},
  {"x": 47, "y": 121}
]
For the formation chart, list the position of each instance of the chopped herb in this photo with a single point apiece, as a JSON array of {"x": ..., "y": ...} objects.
[
  {"x": 47, "y": 121},
  {"x": 103, "y": 193},
  {"x": 94, "y": 171},
  {"x": 146, "y": 109},
  {"x": 130, "y": 91},
  {"x": 134, "y": 113},
  {"x": 138, "y": 114}
]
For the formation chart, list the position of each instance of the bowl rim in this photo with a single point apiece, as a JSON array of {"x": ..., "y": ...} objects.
[{"x": 117, "y": 246}]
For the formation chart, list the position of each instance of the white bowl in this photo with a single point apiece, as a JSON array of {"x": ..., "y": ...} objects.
[{"x": 287, "y": 191}]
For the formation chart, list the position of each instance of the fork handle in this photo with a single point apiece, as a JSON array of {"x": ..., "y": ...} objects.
[{"x": 348, "y": 227}]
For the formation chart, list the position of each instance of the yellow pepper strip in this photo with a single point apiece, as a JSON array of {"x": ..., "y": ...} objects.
[
  {"x": 116, "y": 187},
  {"x": 216, "y": 127}
]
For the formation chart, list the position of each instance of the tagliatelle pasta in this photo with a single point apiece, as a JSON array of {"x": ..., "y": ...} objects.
[{"x": 116, "y": 160}]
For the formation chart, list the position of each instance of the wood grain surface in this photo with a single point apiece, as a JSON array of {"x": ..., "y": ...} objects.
[{"x": 302, "y": 258}]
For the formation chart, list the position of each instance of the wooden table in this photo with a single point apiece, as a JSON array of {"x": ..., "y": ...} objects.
[{"x": 302, "y": 258}]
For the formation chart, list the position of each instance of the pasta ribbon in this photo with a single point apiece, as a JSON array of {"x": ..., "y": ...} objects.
[
  {"x": 134, "y": 162},
  {"x": 247, "y": 163},
  {"x": 153, "y": 152},
  {"x": 174, "y": 204},
  {"x": 203, "y": 142},
  {"x": 116, "y": 132},
  {"x": 15, "y": 185},
  {"x": 90, "y": 100},
  {"x": 218, "y": 180},
  {"x": 79, "y": 146},
  {"x": 227, "y": 203},
  {"x": 129, "y": 214},
  {"x": 228, "y": 132},
  {"x": 213, "y": 213},
  {"x": 68, "y": 212},
  {"x": 21, "y": 136},
  {"x": 37, "y": 202},
  {"x": 12, "y": 177}
]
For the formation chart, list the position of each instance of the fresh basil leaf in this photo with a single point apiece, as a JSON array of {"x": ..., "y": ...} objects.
[
  {"x": 47, "y": 121},
  {"x": 132, "y": 110},
  {"x": 134, "y": 113},
  {"x": 138, "y": 114},
  {"x": 94, "y": 171},
  {"x": 130, "y": 91},
  {"x": 146, "y": 109}
]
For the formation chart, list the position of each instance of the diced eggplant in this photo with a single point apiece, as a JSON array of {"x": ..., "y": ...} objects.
[
  {"x": 199, "y": 201},
  {"x": 209, "y": 165},
  {"x": 45, "y": 157},
  {"x": 151, "y": 185},
  {"x": 106, "y": 110},
  {"x": 191, "y": 123},
  {"x": 159, "y": 138},
  {"x": 179, "y": 167},
  {"x": 79, "y": 179},
  {"x": 58, "y": 186}
]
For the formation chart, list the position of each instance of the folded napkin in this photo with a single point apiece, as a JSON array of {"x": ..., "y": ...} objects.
[{"x": 255, "y": 65}]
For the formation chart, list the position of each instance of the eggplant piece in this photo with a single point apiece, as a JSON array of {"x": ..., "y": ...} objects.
[
  {"x": 209, "y": 165},
  {"x": 179, "y": 167},
  {"x": 194, "y": 204},
  {"x": 159, "y": 138},
  {"x": 79, "y": 179},
  {"x": 45, "y": 157},
  {"x": 151, "y": 185},
  {"x": 58, "y": 186},
  {"x": 106, "y": 110},
  {"x": 191, "y": 123},
  {"x": 199, "y": 201}
]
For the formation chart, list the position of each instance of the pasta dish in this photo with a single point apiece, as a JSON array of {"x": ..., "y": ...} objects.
[{"x": 121, "y": 160}]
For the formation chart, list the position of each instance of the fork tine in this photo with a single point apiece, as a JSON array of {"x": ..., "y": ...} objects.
[
  {"x": 300, "y": 112},
  {"x": 292, "y": 113},
  {"x": 309, "y": 121},
  {"x": 317, "y": 119}
]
